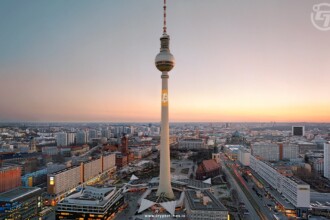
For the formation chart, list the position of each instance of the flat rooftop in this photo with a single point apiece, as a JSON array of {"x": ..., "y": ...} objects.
[
  {"x": 196, "y": 203},
  {"x": 63, "y": 170},
  {"x": 195, "y": 183},
  {"x": 192, "y": 139},
  {"x": 90, "y": 195},
  {"x": 18, "y": 193},
  {"x": 138, "y": 182},
  {"x": 8, "y": 167},
  {"x": 281, "y": 166},
  {"x": 320, "y": 200},
  {"x": 159, "y": 199},
  {"x": 298, "y": 181},
  {"x": 190, "y": 183}
]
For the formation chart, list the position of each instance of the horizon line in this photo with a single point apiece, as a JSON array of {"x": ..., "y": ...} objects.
[{"x": 154, "y": 122}]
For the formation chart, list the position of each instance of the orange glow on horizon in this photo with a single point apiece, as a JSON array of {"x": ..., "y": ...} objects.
[{"x": 301, "y": 113}]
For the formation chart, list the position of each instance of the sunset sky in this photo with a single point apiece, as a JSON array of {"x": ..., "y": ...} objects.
[{"x": 79, "y": 60}]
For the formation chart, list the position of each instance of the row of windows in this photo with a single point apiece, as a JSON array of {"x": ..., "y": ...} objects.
[{"x": 100, "y": 209}]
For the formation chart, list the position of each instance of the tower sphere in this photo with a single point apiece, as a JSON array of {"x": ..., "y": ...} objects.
[{"x": 164, "y": 60}]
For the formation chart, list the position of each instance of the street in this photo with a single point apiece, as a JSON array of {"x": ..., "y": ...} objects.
[{"x": 252, "y": 213}]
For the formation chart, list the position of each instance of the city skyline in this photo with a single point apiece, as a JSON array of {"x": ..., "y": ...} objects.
[{"x": 83, "y": 61}]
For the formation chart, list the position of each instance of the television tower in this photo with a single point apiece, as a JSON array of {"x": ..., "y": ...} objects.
[{"x": 164, "y": 62}]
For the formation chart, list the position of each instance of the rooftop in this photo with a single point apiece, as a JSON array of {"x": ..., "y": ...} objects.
[
  {"x": 159, "y": 199},
  {"x": 210, "y": 165},
  {"x": 233, "y": 147},
  {"x": 195, "y": 183},
  {"x": 8, "y": 167},
  {"x": 18, "y": 193},
  {"x": 63, "y": 170},
  {"x": 245, "y": 150},
  {"x": 280, "y": 167},
  {"x": 236, "y": 134},
  {"x": 91, "y": 195},
  {"x": 298, "y": 181},
  {"x": 190, "y": 183},
  {"x": 206, "y": 201},
  {"x": 192, "y": 139},
  {"x": 320, "y": 200}
]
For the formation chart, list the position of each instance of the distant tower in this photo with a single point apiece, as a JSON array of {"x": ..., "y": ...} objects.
[
  {"x": 216, "y": 154},
  {"x": 32, "y": 145},
  {"x": 124, "y": 145},
  {"x": 164, "y": 62}
]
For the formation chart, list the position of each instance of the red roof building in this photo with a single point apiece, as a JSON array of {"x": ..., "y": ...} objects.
[{"x": 207, "y": 169}]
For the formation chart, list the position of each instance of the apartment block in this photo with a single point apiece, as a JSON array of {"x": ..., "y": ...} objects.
[{"x": 296, "y": 191}]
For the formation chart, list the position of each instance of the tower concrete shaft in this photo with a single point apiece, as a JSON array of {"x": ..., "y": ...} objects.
[
  {"x": 165, "y": 62},
  {"x": 165, "y": 187}
]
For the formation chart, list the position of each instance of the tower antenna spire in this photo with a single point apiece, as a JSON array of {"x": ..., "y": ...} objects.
[{"x": 164, "y": 26}]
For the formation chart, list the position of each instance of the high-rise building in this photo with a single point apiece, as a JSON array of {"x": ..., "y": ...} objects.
[
  {"x": 119, "y": 131},
  {"x": 71, "y": 138},
  {"x": 326, "y": 169},
  {"x": 131, "y": 130},
  {"x": 106, "y": 133},
  {"x": 244, "y": 156},
  {"x": 81, "y": 137},
  {"x": 91, "y": 203},
  {"x": 92, "y": 134},
  {"x": 298, "y": 130},
  {"x": 294, "y": 190},
  {"x": 164, "y": 62},
  {"x": 61, "y": 139},
  {"x": 318, "y": 165},
  {"x": 267, "y": 151},
  {"x": 20, "y": 203},
  {"x": 124, "y": 145},
  {"x": 68, "y": 178},
  {"x": 275, "y": 151},
  {"x": 290, "y": 151},
  {"x": 63, "y": 180},
  {"x": 10, "y": 177}
]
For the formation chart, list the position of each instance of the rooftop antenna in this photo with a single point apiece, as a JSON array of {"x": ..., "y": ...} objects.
[{"x": 164, "y": 27}]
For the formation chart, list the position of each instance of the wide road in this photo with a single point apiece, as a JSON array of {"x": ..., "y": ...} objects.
[
  {"x": 253, "y": 214},
  {"x": 260, "y": 201}
]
